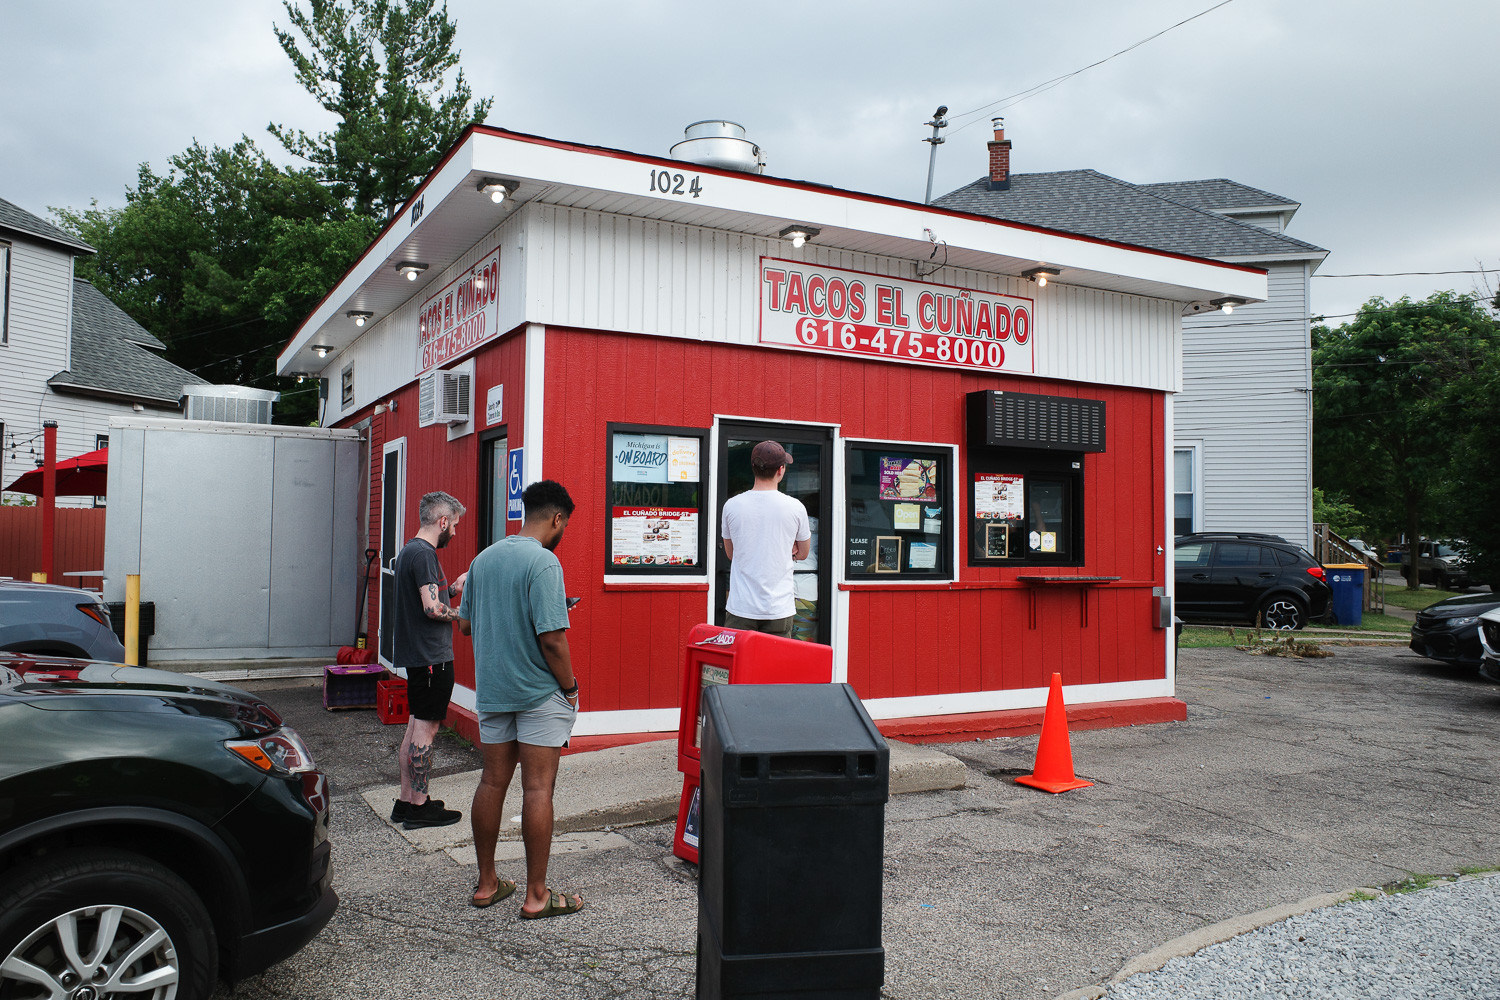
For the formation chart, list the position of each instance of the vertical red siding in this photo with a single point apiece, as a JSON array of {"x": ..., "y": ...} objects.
[{"x": 901, "y": 641}]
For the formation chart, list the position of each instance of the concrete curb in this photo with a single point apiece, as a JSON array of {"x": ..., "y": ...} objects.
[{"x": 1195, "y": 941}]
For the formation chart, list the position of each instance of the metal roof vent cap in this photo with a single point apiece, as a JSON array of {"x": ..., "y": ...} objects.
[{"x": 719, "y": 143}]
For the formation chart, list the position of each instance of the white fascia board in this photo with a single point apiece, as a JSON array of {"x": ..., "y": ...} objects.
[
  {"x": 224, "y": 427},
  {"x": 1284, "y": 209},
  {"x": 438, "y": 186},
  {"x": 751, "y": 194},
  {"x": 1279, "y": 258}
]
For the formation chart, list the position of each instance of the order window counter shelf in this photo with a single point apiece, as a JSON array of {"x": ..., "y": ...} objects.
[{"x": 1083, "y": 583}]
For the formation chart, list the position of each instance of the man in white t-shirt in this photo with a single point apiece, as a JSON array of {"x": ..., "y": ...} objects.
[{"x": 764, "y": 531}]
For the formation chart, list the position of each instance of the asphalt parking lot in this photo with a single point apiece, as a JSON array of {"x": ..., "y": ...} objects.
[{"x": 1289, "y": 778}]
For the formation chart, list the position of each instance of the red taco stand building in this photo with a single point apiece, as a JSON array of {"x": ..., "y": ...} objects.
[{"x": 979, "y": 412}]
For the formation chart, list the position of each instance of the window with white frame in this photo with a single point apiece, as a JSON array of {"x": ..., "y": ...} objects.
[
  {"x": 1185, "y": 492},
  {"x": 346, "y": 387}
]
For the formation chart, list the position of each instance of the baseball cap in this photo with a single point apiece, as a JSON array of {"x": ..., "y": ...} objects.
[{"x": 769, "y": 455}]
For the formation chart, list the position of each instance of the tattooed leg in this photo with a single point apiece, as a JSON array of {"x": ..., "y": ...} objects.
[{"x": 419, "y": 759}]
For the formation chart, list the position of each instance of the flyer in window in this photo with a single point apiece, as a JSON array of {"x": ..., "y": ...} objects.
[
  {"x": 654, "y": 536},
  {"x": 922, "y": 555},
  {"x": 907, "y": 517},
  {"x": 682, "y": 459},
  {"x": 908, "y": 478},
  {"x": 640, "y": 458},
  {"x": 999, "y": 496}
]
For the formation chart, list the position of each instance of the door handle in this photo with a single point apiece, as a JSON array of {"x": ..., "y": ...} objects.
[
  {"x": 1200, "y": 576},
  {"x": 1268, "y": 574}
]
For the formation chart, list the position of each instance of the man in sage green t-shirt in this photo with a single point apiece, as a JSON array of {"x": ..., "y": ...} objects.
[{"x": 516, "y": 609}]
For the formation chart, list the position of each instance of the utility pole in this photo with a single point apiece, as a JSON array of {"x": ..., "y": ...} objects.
[{"x": 936, "y": 141}]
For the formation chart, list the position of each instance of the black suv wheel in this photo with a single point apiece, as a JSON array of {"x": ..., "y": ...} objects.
[
  {"x": 103, "y": 923},
  {"x": 1283, "y": 613}
]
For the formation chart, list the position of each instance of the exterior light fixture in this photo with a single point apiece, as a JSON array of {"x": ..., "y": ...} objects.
[
  {"x": 1040, "y": 275},
  {"x": 321, "y": 350},
  {"x": 1227, "y": 303},
  {"x": 359, "y": 316},
  {"x": 497, "y": 189},
  {"x": 410, "y": 269},
  {"x": 799, "y": 234}
]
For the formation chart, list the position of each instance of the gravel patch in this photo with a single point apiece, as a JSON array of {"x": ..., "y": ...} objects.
[{"x": 1438, "y": 942}]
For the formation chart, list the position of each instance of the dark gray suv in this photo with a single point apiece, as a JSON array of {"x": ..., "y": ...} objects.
[
  {"x": 46, "y": 619},
  {"x": 1250, "y": 578}
]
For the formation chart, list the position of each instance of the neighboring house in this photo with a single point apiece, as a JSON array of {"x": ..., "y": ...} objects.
[
  {"x": 67, "y": 353},
  {"x": 1243, "y": 422}
]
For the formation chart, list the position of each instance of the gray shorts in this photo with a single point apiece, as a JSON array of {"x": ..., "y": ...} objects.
[{"x": 548, "y": 725}]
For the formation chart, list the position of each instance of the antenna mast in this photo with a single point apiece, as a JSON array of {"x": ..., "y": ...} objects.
[{"x": 938, "y": 122}]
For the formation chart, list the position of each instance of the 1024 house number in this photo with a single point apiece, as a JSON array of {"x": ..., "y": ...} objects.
[{"x": 666, "y": 182}]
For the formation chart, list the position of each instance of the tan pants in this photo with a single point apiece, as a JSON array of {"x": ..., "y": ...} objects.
[{"x": 771, "y": 626}]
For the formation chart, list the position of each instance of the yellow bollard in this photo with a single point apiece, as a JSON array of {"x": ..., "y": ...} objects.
[
  {"x": 133, "y": 619},
  {"x": 39, "y": 578}
]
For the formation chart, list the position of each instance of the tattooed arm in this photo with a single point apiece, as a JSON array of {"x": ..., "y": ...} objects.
[{"x": 434, "y": 608}]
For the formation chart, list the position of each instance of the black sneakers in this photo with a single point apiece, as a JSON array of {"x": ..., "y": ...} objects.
[
  {"x": 402, "y": 807},
  {"x": 429, "y": 813}
]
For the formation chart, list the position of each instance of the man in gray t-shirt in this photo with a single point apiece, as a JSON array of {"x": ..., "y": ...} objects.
[
  {"x": 423, "y": 650},
  {"x": 525, "y": 692}
]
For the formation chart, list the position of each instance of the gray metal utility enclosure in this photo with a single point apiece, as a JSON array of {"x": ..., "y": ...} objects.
[{"x": 245, "y": 535}]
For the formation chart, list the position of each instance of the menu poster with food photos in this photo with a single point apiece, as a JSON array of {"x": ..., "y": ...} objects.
[
  {"x": 908, "y": 478},
  {"x": 654, "y": 536},
  {"x": 999, "y": 497}
]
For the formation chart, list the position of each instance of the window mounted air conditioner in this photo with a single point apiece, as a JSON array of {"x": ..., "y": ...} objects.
[{"x": 445, "y": 397}]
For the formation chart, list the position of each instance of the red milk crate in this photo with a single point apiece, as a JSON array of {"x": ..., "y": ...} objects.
[
  {"x": 350, "y": 686},
  {"x": 390, "y": 701}
]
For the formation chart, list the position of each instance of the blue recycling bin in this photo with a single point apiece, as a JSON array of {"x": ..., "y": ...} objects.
[{"x": 1348, "y": 583}]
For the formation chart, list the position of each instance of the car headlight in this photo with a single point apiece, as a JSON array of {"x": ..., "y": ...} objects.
[
  {"x": 1461, "y": 622},
  {"x": 282, "y": 752}
]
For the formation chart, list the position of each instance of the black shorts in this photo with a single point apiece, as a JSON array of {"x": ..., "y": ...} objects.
[{"x": 428, "y": 691}]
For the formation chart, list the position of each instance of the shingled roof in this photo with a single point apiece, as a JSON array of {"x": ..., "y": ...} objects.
[
  {"x": 16, "y": 219},
  {"x": 1088, "y": 203},
  {"x": 112, "y": 354},
  {"x": 1219, "y": 194}
]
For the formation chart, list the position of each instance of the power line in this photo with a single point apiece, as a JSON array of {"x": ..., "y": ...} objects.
[{"x": 1046, "y": 85}]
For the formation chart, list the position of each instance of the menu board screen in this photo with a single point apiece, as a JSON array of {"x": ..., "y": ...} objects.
[
  {"x": 900, "y": 512},
  {"x": 655, "y": 500}
]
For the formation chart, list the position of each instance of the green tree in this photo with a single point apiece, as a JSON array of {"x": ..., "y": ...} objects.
[
  {"x": 1391, "y": 391},
  {"x": 1338, "y": 514},
  {"x": 381, "y": 66},
  {"x": 220, "y": 257}
]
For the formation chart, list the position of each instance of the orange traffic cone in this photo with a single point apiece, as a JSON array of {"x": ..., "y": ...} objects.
[{"x": 1053, "y": 771}]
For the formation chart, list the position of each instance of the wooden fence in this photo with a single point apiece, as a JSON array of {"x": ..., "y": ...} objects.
[{"x": 80, "y": 543}]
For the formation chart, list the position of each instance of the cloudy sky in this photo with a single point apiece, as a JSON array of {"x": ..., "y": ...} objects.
[{"x": 1377, "y": 115}]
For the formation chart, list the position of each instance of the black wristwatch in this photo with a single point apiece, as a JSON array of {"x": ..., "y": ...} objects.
[{"x": 570, "y": 692}]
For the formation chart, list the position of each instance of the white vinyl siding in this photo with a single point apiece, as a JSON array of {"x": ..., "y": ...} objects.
[
  {"x": 1247, "y": 395},
  {"x": 4, "y": 294},
  {"x": 593, "y": 270},
  {"x": 40, "y": 332}
]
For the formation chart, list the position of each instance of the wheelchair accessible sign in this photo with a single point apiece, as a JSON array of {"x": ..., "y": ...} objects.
[{"x": 513, "y": 486}]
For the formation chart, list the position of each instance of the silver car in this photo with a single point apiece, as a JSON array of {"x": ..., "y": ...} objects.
[
  {"x": 1489, "y": 642},
  {"x": 60, "y": 621}
]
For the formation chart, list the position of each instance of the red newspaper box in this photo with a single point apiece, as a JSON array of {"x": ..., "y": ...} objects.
[{"x": 717, "y": 655}]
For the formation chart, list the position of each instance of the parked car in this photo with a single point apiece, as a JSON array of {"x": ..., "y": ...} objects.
[
  {"x": 1449, "y": 630},
  {"x": 154, "y": 829},
  {"x": 1439, "y": 563},
  {"x": 1250, "y": 578},
  {"x": 1489, "y": 643},
  {"x": 44, "y": 618}
]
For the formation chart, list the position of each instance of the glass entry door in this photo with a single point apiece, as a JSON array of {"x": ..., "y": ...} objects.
[
  {"x": 809, "y": 479},
  {"x": 392, "y": 507}
]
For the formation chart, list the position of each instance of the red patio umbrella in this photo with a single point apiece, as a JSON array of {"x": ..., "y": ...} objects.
[{"x": 82, "y": 476}]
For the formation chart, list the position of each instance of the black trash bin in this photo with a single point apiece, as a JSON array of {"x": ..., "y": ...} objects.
[
  {"x": 148, "y": 624},
  {"x": 795, "y": 781}
]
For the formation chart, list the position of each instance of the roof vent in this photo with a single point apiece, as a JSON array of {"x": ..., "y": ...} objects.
[
  {"x": 719, "y": 144},
  {"x": 231, "y": 404}
]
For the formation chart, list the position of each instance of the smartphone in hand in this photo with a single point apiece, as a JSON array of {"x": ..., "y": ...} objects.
[{"x": 572, "y": 601}]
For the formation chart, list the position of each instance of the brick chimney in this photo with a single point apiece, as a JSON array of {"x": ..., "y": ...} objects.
[{"x": 999, "y": 158}]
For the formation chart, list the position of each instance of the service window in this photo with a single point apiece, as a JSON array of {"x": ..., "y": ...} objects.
[
  {"x": 1025, "y": 508},
  {"x": 655, "y": 496},
  {"x": 900, "y": 513}
]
